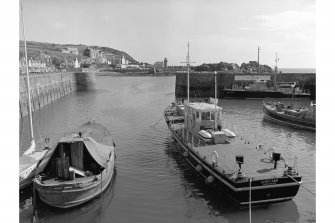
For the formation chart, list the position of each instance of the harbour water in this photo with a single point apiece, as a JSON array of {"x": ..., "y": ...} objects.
[{"x": 153, "y": 183}]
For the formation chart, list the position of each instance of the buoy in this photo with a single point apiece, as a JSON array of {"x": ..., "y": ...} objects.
[
  {"x": 215, "y": 157},
  {"x": 198, "y": 168},
  {"x": 209, "y": 179}
]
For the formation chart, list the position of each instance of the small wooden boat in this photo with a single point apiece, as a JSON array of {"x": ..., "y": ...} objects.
[
  {"x": 205, "y": 135},
  {"x": 229, "y": 133},
  {"x": 303, "y": 118},
  {"x": 78, "y": 168},
  {"x": 249, "y": 174}
]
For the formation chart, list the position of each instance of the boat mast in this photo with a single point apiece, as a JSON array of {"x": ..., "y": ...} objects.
[
  {"x": 215, "y": 103},
  {"x": 188, "y": 72},
  {"x": 258, "y": 58},
  {"x": 276, "y": 70},
  {"x": 28, "y": 83}
]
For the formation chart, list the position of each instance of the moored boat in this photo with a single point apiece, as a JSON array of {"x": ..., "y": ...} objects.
[
  {"x": 28, "y": 163},
  {"x": 78, "y": 168},
  {"x": 302, "y": 117},
  {"x": 249, "y": 174}
]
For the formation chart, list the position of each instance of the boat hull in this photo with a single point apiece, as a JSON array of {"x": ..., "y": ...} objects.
[
  {"x": 246, "y": 94},
  {"x": 262, "y": 192},
  {"x": 27, "y": 174},
  {"x": 28, "y": 180},
  {"x": 286, "y": 120},
  {"x": 69, "y": 194}
]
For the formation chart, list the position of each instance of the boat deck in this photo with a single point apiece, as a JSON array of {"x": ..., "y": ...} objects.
[{"x": 257, "y": 164}]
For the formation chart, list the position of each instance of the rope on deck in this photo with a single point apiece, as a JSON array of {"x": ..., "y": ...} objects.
[{"x": 302, "y": 185}]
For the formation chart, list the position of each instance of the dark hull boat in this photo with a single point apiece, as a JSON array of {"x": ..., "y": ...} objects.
[
  {"x": 252, "y": 94},
  {"x": 303, "y": 118},
  {"x": 78, "y": 169},
  {"x": 215, "y": 161},
  {"x": 249, "y": 174}
]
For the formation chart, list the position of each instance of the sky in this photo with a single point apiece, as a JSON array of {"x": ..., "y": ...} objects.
[{"x": 150, "y": 30}]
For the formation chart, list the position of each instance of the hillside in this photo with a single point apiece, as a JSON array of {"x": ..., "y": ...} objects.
[{"x": 55, "y": 51}]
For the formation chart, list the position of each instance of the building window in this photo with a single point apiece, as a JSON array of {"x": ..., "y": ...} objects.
[{"x": 197, "y": 115}]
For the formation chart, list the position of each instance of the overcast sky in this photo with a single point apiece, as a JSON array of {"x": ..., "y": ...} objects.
[{"x": 149, "y": 30}]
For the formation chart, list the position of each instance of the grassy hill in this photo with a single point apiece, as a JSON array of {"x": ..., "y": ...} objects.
[{"x": 55, "y": 51}]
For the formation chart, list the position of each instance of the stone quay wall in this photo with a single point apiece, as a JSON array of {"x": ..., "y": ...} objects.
[
  {"x": 44, "y": 89},
  {"x": 202, "y": 84}
]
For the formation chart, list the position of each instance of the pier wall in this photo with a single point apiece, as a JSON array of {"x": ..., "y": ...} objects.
[
  {"x": 202, "y": 84},
  {"x": 44, "y": 89}
]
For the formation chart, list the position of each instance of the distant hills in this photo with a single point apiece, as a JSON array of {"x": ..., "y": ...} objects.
[{"x": 34, "y": 50}]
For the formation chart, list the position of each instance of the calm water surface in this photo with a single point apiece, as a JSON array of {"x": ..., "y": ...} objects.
[{"x": 153, "y": 183}]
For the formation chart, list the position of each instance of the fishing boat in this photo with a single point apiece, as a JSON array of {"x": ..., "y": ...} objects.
[
  {"x": 259, "y": 90},
  {"x": 249, "y": 174},
  {"x": 259, "y": 87},
  {"x": 33, "y": 155},
  {"x": 302, "y": 117},
  {"x": 79, "y": 168}
]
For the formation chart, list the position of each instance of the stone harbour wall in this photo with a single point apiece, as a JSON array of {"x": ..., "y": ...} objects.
[{"x": 44, "y": 89}]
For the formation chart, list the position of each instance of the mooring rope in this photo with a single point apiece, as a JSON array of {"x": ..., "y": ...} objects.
[
  {"x": 302, "y": 185},
  {"x": 158, "y": 121}
]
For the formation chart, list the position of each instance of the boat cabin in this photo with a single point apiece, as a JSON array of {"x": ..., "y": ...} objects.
[
  {"x": 201, "y": 116},
  {"x": 72, "y": 159}
]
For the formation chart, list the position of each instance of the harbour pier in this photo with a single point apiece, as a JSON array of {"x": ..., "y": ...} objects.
[
  {"x": 46, "y": 88},
  {"x": 201, "y": 83}
]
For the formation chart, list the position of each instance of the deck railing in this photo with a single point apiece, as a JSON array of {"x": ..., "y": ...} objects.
[{"x": 191, "y": 139}]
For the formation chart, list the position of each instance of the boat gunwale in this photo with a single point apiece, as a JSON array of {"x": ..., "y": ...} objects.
[{"x": 86, "y": 199}]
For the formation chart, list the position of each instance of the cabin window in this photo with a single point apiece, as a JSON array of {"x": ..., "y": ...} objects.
[
  {"x": 212, "y": 116},
  {"x": 203, "y": 116},
  {"x": 208, "y": 116}
]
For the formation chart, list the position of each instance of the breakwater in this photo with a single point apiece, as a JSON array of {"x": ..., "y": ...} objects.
[
  {"x": 202, "y": 84},
  {"x": 46, "y": 88}
]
